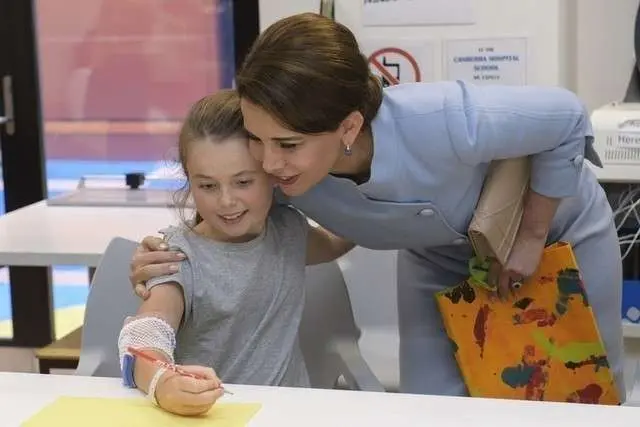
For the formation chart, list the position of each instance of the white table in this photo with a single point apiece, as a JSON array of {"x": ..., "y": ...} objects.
[
  {"x": 39, "y": 235},
  {"x": 22, "y": 395},
  {"x": 42, "y": 235}
]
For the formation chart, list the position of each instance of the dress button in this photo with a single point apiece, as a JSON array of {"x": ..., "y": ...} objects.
[
  {"x": 460, "y": 241},
  {"x": 426, "y": 212}
]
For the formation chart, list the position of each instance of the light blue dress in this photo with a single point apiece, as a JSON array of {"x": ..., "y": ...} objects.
[{"x": 432, "y": 145}]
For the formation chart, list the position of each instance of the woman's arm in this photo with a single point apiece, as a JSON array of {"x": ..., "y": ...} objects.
[
  {"x": 323, "y": 246},
  {"x": 529, "y": 243},
  {"x": 538, "y": 212},
  {"x": 151, "y": 259},
  {"x": 550, "y": 124}
]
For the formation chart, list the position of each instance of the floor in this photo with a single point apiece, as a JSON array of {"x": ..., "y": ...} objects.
[{"x": 70, "y": 283}]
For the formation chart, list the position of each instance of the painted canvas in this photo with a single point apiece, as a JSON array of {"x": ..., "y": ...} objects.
[{"x": 542, "y": 344}]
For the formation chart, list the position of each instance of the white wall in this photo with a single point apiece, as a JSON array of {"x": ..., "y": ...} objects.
[
  {"x": 605, "y": 52},
  {"x": 584, "y": 45},
  {"x": 536, "y": 19}
]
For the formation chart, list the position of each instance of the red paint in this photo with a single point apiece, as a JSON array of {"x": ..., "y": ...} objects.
[
  {"x": 538, "y": 315},
  {"x": 480, "y": 327},
  {"x": 545, "y": 280},
  {"x": 590, "y": 394},
  {"x": 539, "y": 378}
]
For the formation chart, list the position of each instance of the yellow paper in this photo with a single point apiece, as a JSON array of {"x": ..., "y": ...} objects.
[{"x": 97, "y": 412}]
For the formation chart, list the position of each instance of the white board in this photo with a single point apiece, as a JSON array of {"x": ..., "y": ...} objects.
[
  {"x": 400, "y": 60},
  {"x": 417, "y": 12},
  {"x": 487, "y": 61}
]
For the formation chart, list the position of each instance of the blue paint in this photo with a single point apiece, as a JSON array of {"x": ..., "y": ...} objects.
[{"x": 517, "y": 376}]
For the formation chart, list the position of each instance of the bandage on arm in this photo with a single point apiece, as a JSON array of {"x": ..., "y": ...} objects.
[{"x": 153, "y": 330}]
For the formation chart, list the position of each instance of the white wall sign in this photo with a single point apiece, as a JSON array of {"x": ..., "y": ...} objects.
[
  {"x": 488, "y": 61},
  {"x": 400, "y": 61},
  {"x": 417, "y": 12}
]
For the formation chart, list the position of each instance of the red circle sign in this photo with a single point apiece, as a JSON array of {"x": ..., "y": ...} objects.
[{"x": 383, "y": 67}]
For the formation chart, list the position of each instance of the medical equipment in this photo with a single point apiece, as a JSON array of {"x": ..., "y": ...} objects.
[
  {"x": 626, "y": 215},
  {"x": 616, "y": 129}
]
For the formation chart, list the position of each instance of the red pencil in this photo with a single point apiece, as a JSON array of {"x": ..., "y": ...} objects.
[{"x": 168, "y": 365}]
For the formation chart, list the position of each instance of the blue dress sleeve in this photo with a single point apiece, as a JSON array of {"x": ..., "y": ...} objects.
[{"x": 550, "y": 124}]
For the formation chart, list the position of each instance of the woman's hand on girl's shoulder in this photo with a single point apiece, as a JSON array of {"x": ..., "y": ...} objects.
[{"x": 152, "y": 258}]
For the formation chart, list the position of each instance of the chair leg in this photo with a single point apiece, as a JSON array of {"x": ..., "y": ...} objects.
[{"x": 44, "y": 366}]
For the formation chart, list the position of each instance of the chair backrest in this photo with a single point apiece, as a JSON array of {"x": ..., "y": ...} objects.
[
  {"x": 111, "y": 299},
  {"x": 327, "y": 317},
  {"x": 371, "y": 279}
]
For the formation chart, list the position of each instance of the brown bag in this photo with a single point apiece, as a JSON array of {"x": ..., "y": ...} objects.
[{"x": 497, "y": 217}]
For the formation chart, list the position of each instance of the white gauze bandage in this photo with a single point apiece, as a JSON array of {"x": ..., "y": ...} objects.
[{"x": 147, "y": 332}]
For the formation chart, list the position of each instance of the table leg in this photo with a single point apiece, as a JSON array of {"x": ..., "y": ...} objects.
[{"x": 31, "y": 306}]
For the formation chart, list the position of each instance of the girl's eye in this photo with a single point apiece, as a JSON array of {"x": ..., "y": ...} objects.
[
  {"x": 209, "y": 187},
  {"x": 286, "y": 146},
  {"x": 245, "y": 182}
]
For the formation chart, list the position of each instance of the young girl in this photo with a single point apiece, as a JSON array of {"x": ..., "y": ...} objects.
[{"x": 236, "y": 300}]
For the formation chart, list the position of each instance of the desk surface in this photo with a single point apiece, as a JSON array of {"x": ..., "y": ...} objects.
[
  {"x": 41, "y": 235},
  {"x": 23, "y": 395}
]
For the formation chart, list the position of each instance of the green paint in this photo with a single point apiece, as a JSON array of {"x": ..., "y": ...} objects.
[
  {"x": 479, "y": 273},
  {"x": 571, "y": 352}
]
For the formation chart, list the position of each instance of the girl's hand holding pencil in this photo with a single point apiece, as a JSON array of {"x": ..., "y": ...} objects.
[{"x": 185, "y": 390}]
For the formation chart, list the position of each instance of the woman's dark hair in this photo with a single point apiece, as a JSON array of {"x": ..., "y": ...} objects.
[{"x": 308, "y": 73}]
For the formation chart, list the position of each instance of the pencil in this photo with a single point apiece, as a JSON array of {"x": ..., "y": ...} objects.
[{"x": 168, "y": 365}]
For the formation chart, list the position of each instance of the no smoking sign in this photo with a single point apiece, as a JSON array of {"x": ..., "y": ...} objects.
[{"x": 394, "y": 65}]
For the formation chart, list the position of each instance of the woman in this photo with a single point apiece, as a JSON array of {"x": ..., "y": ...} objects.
[{"x": 402, "y": 168}]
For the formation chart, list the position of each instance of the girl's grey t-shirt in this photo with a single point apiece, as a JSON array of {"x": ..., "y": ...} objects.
[{"x": 243, "y": 302}]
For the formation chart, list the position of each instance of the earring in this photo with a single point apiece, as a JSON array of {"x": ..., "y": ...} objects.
[{"x": 347, "y": 150}]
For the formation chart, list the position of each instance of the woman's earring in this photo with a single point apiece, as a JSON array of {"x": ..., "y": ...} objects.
[{"x": 347, "y": 150}]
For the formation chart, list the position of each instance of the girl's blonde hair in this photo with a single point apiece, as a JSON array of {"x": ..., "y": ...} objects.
[{"x": 215, "y": 117}]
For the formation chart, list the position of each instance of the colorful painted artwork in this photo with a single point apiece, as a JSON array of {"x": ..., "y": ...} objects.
[{"x": 542, "y": 344}]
